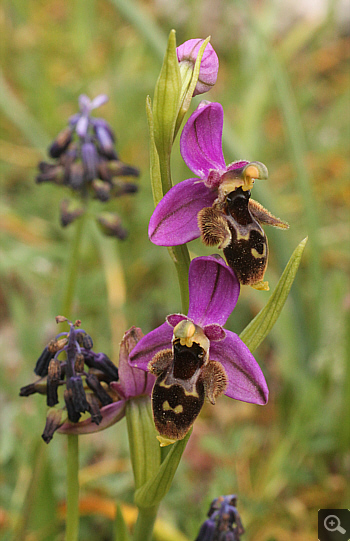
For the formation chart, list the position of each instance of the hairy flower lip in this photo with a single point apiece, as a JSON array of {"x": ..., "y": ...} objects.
[{"x": 214, "y": 291}]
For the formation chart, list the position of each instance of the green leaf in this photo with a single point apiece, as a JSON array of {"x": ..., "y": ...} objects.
[
  {"x": 262, "y": 324},
  {"x": 166, "y": 105},
  {"x": 156, "y": 179},
  {"x": 144, "y": 447},
  {"x": 121, "y": 530},
  {"x": 152, "y": 492}
]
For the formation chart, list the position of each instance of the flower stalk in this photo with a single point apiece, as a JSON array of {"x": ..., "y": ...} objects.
[{"x": 72, "y": 518}]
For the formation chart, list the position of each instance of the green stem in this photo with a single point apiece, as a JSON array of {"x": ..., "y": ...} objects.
[
  {"x": 181, "y": 259},
  {"x": 145, "y": 523},
  {"x": 73, "y": 263},
  {"x": 72, "y": 520}
]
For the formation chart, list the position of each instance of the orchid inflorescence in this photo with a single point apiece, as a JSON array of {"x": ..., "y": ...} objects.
[{"x": 191, "y": 357}]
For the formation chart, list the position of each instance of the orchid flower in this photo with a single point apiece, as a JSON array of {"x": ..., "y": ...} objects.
[
  {"x": 194, "y": 357},
  {"x": 217, "y": 205}
]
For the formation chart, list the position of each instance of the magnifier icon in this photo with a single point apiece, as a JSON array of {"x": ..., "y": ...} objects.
[{"x": 332, "y": 524}]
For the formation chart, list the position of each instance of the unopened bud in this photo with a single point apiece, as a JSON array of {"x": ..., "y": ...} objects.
[
  {"x": 101, "y": 362},
  {"x": 94, "y": 409},
  {"x": 123, "y": 188},
  {"x": 75, "y": 385},
  {"x": 53, "y": 422},
  {"x": 105, "y": 140},
  {"x": 69, "y": 213},
  {"x": 90, "y": 160},
  {"x": 79, "y": 363},
  {"x": 76, "y": 176},
  {"x": 87, "y": 342},
  {"x": 37, "y": 387},
  {"x": 42, "y": 363},
  {"x": 53, "y": 380},
  {"x": 60, "y": 319},
  {"x": 73, "y": 415},
  {"x": 120, "y": 169},
  {"x": 187, "y": 55},
  {"x": 101, "y": 189},
  {"x": 111, "y": 225},
  {"x": 51, "y": 173},
  {"x": 99, "y": 391},
  {"x": 61, "y": 143}
]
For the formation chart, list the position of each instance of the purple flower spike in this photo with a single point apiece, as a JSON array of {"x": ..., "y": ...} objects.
[
  {"x": 187, "y": 53},
  {"x": 132, "y": 383},
  {"x": 194, "y": 358},
  {"x": 174, "y": 220}
]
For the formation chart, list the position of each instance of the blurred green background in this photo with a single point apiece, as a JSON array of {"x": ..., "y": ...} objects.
[{"x": 284, "y": 85}]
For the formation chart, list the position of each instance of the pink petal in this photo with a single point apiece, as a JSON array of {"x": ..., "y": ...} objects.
[
  {"x": 214, "y": 332},
  {"x": 246, "y": 380},
  {"x": 150, "y": 344},
  {"x": 174, "y": 319},
  {"x": 174, "y": 220},
  {"x": 132, "y": 381},
  {"x": 214, "y": 290},
  {"x": 111, "y": 414},
  {"x": 201, "y": 140}
]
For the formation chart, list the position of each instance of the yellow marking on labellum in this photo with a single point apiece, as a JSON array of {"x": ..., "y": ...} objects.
[
  {"x": 191, "y": 393},
  {"x": 187, "y": 393},
  {"x": 178, "y": 409},
  {"x": 165, "y": 441},
  {"x": 261, "y": 286},
  {"x": 163, "y": 384},
  {"x": 256, "y": 254},
  {"x": 240, "y": 236}
]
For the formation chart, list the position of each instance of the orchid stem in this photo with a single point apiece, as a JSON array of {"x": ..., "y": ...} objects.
[
  {"x": 145, "y": 523},
  {"x": 72, "y": 517}
]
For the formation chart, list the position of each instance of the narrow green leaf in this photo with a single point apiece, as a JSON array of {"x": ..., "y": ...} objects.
[
  {"x": 166, "y": 105},
  {"x": 144, "y": 447},
  {"x": 120, "y": 528},
  {"x": 151, "y": 493},
  {"x": 156, "y": 179},
  {"x": 262, "y": 324}
]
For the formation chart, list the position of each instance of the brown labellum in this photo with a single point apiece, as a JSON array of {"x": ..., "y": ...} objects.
[
  {"x": 234, "y": 225},
  {"x": 185, "y": 378}
]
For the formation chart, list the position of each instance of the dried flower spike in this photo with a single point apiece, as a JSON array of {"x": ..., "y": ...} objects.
[
  {"x": 62, "y": 364},
  {"x": 224, "y": 522},
  {"x": 86, "y": 160}
]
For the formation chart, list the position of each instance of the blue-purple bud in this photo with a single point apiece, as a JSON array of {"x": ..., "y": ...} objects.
[
  {"x": 53, "y": 422},
  {"x": 75, "y": 385},
  {"x": 90, "y": 160},
  {"x": 207, "y": 531}
]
